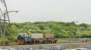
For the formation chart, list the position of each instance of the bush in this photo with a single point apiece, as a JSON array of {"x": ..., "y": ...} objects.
[{"x": 4, "y": 41}]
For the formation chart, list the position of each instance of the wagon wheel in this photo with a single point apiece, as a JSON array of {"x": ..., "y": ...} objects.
[{"x": 20, "y": 42}]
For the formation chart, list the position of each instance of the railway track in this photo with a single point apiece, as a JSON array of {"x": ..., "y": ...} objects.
[{"x": 46, "y": 45}]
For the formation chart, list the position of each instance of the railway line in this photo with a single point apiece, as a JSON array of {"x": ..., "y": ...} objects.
[
  {"x": 45, "y": 46},
  {"x": 66, "y": 45}
]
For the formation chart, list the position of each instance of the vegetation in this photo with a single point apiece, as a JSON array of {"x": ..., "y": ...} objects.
[{"x": 60, "y": 29}]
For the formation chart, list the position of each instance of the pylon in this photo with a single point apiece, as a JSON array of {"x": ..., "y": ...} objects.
[{"x": 4, "y": 20}]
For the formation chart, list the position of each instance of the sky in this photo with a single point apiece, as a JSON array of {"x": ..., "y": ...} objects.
[{"x": 50, "y": 10}]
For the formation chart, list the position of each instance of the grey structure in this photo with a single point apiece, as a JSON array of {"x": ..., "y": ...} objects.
[{"x": 4, "y": 20}]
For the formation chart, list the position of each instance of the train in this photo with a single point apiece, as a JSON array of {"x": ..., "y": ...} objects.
[{"x": 36, "y": 38}]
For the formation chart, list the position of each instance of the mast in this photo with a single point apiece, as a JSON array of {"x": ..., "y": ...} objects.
[{"x": 4, "y": 20}]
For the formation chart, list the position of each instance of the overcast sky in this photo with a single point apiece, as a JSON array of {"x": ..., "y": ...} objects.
[{"x": 50, "y": 10}]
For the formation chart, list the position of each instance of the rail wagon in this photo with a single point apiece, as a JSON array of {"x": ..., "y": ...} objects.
[{"x": 35, "y": 38}]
